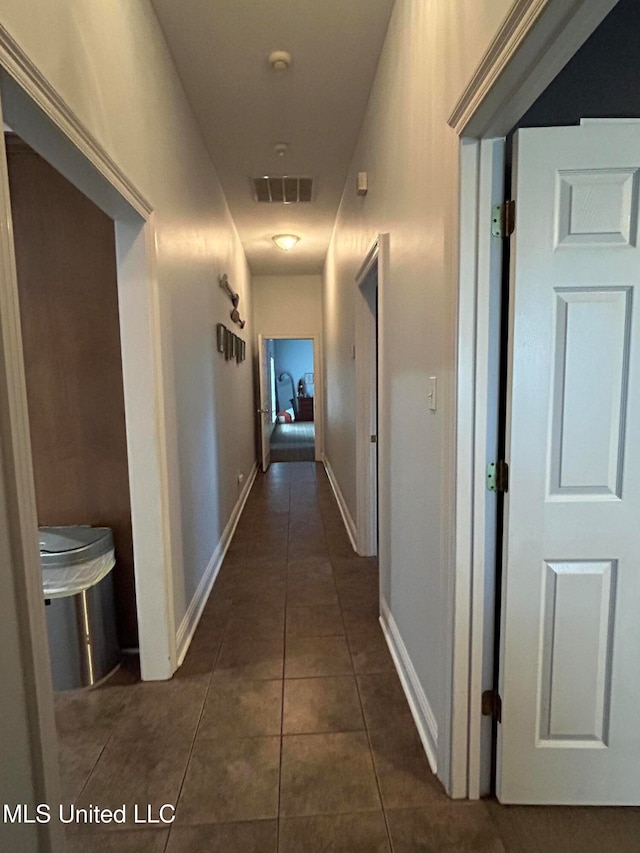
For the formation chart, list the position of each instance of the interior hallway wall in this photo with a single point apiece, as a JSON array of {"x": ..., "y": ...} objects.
[
  {"x": 109, "y": 62},
  {"x": 411, "y": 156},
  {"x": 288, "y": 306}
]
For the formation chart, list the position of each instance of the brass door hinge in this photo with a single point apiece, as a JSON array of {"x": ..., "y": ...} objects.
[
  {"x": 503, "y": 218},
  {"x": 492, "y": 705},
  {"x": 498, "y": 476}
]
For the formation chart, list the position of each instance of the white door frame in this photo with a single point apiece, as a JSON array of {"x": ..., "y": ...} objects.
[
  {"x": 373, "y": 526},
  {"x": 28, "y": 738},
  {"x": 536, "y": 40},
  {"x": 366, "y": 409},
  {"x": 318, "y": 401},
  {"x": 36, "y": 112}
]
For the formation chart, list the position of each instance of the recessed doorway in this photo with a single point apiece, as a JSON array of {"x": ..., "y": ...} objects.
[
  {"x": 292, "y": 379},
  {"x": 73, "y": 367}
]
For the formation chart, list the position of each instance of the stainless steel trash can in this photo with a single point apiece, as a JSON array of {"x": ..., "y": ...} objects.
[{"x": 78, "y": 590}]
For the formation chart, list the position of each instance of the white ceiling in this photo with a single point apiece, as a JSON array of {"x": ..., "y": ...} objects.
[{"x": 220, "y": 48}]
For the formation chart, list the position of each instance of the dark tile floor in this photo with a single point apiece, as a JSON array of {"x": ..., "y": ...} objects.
[{"x": 286, "y": 729}]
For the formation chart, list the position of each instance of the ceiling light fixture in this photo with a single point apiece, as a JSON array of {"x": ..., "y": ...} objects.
[
  {"x": 286, "y": 242},
  {"x": 280, "y": 60}
]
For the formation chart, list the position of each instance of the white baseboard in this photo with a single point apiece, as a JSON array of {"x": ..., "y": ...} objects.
[
  {"x": 342, "y": 504},
  {"x": 418, "y": 703},
  {"x": 191, "y": 618}
]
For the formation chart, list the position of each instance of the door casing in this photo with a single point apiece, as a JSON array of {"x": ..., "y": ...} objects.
[
  {"x": 367, "y": 404},
  {"x": 373, "y": 522}
]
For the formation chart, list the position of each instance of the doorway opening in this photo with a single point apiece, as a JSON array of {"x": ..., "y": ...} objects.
[
  {"x": 142, "y": 368},
  {"x": 73, "y": 372},
  {"x": 292, "y": 378},
  {"x": 289, "y": 399}
]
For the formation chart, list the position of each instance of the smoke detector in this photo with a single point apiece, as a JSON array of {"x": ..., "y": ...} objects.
[{"x": 280, "y": 60}]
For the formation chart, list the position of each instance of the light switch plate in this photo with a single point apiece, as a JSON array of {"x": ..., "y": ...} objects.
[{"x": 432, "y": 393}]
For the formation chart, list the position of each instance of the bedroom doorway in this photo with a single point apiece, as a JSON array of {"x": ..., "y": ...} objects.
[{"x": 292, "y": 377}]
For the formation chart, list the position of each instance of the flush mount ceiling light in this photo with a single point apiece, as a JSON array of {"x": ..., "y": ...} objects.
[
  {"x": 286, "y": 242},
  {"x": 280, "y": 60}
]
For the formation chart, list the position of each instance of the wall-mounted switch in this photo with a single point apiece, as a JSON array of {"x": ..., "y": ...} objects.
[{"x": 431, "y": 393}]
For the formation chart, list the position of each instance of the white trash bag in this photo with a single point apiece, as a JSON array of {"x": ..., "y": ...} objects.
[
  {"x": 74, "y": 558},
  {"x": 69, "y": 580}
]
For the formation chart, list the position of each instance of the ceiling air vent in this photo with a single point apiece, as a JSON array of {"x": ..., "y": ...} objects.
[{"x": 283, "y": 190}]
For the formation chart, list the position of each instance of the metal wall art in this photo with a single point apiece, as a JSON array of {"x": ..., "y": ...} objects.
[
  {"x": 233, "y": 347},
  {"x": 235, "y": 300}
]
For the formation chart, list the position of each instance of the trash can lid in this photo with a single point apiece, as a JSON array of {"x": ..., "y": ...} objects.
[{"x": 70, "y": 545}]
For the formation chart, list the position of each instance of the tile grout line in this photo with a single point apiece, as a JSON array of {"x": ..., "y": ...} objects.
[
  {"x": 101, "y": 753},
  {"x": 366, "y": 727},
  {"x": 195, "y": 734},
  {"x": 287, "y": 605},
  {"x": 90, "y": 774},
  {"x": 284, "y": 653},
  {"x": 373, "y": 764}
]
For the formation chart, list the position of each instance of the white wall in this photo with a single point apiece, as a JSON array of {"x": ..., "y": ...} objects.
[
  {"x": 108, "y": 60},
  {"x": 287, "y": 305},
  {"x": 411, "y": 156}
]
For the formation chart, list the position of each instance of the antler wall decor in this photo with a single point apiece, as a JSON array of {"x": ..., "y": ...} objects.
[{"x": 235, "y": 300}]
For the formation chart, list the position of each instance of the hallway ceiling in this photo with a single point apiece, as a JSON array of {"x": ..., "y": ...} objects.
[{"x": 220, "y": 48}]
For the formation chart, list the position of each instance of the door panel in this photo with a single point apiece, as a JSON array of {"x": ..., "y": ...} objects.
[
  {"x": 578, "y": 618},
  {"x": 569, "y": 673},
  {"x": 586, "y": 453}
]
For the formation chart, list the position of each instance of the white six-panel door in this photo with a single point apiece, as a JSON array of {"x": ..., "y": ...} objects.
[{"x": 570, "y": 656}]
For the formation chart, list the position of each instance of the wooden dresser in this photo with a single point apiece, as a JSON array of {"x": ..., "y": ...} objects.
[{"x": 305, "y": 408}]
